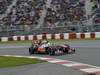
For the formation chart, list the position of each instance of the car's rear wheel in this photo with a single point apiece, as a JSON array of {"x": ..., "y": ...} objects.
[{"x": 31, "y": 51}]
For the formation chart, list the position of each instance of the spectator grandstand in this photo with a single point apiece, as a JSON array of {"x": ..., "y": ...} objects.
[
  {"x": 96, "y": 14},
  {"x": 18, "y": 16},
  {"x": 23, "y": 15},
  {"x": 65, "y": 12},
  {"x": 4, "y": 5}
]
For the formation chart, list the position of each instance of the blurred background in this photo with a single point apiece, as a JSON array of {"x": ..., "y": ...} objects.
[{"x": 28, "y": 17}]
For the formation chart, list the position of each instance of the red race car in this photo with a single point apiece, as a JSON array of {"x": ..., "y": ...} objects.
[{"x": 45, "y": 47}]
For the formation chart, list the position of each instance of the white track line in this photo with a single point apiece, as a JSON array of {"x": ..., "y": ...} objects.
[{"x": 66, "y": 63}]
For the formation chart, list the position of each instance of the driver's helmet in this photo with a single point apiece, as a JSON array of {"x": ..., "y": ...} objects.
[
  {"x": 44, "y": 41},
  {"x": 37, "y": 42}
]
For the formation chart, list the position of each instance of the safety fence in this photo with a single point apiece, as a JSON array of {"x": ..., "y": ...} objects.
[{"x": 52, "y": 36}]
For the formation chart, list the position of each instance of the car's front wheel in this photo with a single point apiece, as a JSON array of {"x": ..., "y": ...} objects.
[{"x": 51, "y": 52}]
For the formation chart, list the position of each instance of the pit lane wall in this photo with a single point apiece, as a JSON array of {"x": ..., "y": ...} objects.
[{"x": 52, "y": 36}]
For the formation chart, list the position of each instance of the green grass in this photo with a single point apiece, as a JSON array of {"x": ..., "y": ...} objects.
[
  {"x": 51, "y": 40},
  {"x": 73, "y": 39},
  {"x": 17, "y": 61}
]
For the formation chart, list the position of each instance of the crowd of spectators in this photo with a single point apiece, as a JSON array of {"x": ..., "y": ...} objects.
[
  {"x": 26, "y": 13},
  {"x": 96, "y": 11},
  {"x": 4, "y": 5},
  {"x": 23, "y": 14},
  {"x": 65, "y": 12}
]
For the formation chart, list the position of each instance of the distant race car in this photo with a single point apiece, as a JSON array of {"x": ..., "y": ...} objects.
[{"x": 45, "y": 47}]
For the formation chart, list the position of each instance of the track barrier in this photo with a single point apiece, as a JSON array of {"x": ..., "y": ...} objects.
[{"x": 52, "y": 36}]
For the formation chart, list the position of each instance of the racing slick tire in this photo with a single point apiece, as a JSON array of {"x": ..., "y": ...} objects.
[
  {"x": 51, "y": 52},
  {"x": 31, "y": 51}
]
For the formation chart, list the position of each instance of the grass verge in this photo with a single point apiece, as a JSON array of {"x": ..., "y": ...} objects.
[
  {"x": 16, "y": 61},
  {"x": 51, "y": 40}
]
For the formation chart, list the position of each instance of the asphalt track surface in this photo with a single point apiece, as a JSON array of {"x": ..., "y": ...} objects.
[{"x": 87, "y": 52}]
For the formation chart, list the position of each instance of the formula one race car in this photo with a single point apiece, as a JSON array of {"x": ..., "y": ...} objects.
[{"x": 45, "y": 47}]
